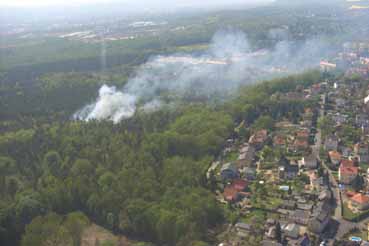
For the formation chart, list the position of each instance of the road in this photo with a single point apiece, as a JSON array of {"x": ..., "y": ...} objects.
[
  {"x": 333, "y": 183},
  {"x": 344, "y": 226}
]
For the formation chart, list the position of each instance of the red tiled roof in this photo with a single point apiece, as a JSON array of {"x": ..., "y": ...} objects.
[
  {"x": 360, "y": 198},
  {"x": 259, "y": 136},
  {"x": 350, "y": 193},
  {"x": 230, "y": 193},
  {"x": 334, "y": 155},
  {"x": 279, "y": 140},
  {"x": 349, "y": 170},
  {"x": 301, "y": 143},
  {"x": 347, "y": 163},
  {"x": 239, "y": 184}
]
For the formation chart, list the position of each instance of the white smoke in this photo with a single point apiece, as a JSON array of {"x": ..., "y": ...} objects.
[
  {"x": 228, "y": 63},
  {"x": 111, "y": 105}
]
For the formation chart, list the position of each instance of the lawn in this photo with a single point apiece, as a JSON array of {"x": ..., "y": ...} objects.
[
  {"x": 364, "y": 166},
  {"x": 348, "y": 214},
  {"x": 232, "y": 156},
  {"x": 256, "y": 215},
  {"x": 335, "y": 174}
]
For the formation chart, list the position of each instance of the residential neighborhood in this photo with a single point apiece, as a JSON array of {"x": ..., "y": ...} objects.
[{"x": 303, "y": 181}]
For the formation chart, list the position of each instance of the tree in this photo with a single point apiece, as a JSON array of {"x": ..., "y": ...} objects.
[
  {"x": 52, "y": 163},
  {"x": 82, "y": 167},
  {"x": 28, "y": 207},
  {"x": 326, "y": 125},
  {"x": 75, "y": 223},
  {"x": 264, "y": 122}
]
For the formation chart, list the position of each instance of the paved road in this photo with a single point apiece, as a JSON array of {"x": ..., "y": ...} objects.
[
  {"x": 332, "y": 180},
  {"x": 344, "y": 226}
]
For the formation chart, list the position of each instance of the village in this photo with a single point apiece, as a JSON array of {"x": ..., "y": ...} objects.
[{"x": 305, "y": 180}]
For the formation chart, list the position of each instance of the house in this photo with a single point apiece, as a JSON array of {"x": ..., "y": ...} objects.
[
  {"x": 306, "y": 207},
  {"x": 300, "y": 217},
  {"x": 288, "y": 205},
  {"x": 230, "y": 194},
  {"x": 335, "y": 157},
  {"x": 249, "y": 173},
  {"x": 279, "y": 141},
  {"x": 309, "y": 162},
  {"x": 347, "y": 173},
  {"x": 258, "y": 139},
  {"x": 318, "y": 184},
  {"x": 319, "y": 221},
  {"x": 331, "y": 143},
  {"x": 243, "y": 229},
  {"x": 326, "y": 66},
  {"x": 300, "y": 145},
  {"x": 229, "y": 171},
  {"x": 339, "y": 119},
  {"x": 288, "y": 171},
  {"x": 247, "y": 155},
  {"x": 346, "y": 151},
  {"x": 303, "y": 134},
  {"x": 325, "y": 195},
  {"x": 291, "y": 230},
  {"x": 340, "y": 102},
  {"x": 315, "y": 89},
  {"x": 361, "y": 150},
  {"x": 361, "y": 120},
  {"x": 359, "y": 202},
  {"x": 271, "y": 232},
  {"x": 321, "y": 216},
  {"x": 347, "y": 163},
  {"x": 239, "y": 185}
]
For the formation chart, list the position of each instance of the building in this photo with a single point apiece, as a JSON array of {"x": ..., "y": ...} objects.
[
  {"x": 243, "y": 229},
  {"x": 249, "y": 173},
  {"x": 300, "y": 217},
  {"x": 359, "y": 202},
  {"x": 288, "y": 171},
  {"x": 258, "y": 139},
  {"x": 326, "y": 66},
  {"x": 279, "y": 141},
  {"x": 300, "y": 145},
  {"x": 346, "y": 151},
  {"x": 229, "y": 171},
  {"x": 319, "y": 222},
  {"x": 335, "y": 157},
  {"x": 331, "y": 143},
  {"x": 239, "y": 184},
  {"x": 361, "y": 151},
  {"x": 361, "y": 120},
  {"x": 230, "y": 194},
  {"x": 309, "y": 162},
  {"x": 247, "y": 155},
  {"x": 347, "y": 173},
  {"x": 291, "y": 230}
]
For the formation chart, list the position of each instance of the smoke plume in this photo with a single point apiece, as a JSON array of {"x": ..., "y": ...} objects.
[{"x": 228, "y": 63}]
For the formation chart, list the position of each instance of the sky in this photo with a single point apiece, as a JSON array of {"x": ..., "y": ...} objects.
[{"x": 38, "y": 3}]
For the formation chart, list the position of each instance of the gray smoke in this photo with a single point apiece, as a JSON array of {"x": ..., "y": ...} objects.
[{"x": 228, "y": 63}]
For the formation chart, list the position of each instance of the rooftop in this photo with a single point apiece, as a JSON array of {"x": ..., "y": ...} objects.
[{"x": 360, "y": 198}]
